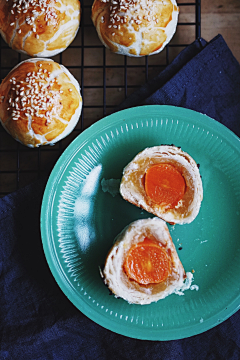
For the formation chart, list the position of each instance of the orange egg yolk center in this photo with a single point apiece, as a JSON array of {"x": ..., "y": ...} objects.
[
  {"x": 147, "y": 263},
  {"x": 164, "y": 184}
]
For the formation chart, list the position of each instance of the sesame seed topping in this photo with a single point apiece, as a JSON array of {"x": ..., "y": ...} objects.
[
  {"x": 36, "y": 96},
  {"x": 127, "y": 11},
  {"x": 34, "y": 8}
]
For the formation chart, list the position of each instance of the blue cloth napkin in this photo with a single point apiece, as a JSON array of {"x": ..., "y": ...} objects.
[
  {"x": 37, "y": 321},
  {"x": 204, "y": 77}
]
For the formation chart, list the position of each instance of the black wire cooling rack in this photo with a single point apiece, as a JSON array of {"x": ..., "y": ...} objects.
[{"x": 106, "y": 79}]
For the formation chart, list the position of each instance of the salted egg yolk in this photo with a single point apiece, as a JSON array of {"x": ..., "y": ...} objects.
[
  {"x": 164, "y": 184},
  {"x": 147, "y": 263}
]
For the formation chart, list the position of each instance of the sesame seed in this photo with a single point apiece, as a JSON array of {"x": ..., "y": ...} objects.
[{"x": 34, "y": 96}]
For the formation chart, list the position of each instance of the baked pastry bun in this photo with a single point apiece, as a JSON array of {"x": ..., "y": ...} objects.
[
  {"x": 143, "y": 266},
  {"x": 40, "y": 102},
  {"x": 39, "y": 28},
  {"x": 164, "y": 181},
  {"x": 135, "y": 27}
]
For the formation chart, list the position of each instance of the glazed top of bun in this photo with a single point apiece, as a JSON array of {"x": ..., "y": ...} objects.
[
  {"x": 40, "y": 102},
  {"x": 40, "y": 28},
  {"x": 181, "y": 183},
  {"x": 135, "y": 27}
]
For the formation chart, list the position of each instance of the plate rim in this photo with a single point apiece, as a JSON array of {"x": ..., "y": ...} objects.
[{"x": 46, "y": 232}]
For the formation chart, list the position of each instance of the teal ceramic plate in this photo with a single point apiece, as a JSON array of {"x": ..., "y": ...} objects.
[{"x": 79, "y": 221}]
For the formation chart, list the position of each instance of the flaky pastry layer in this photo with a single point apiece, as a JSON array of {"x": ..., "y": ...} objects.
[
  {"x": 132, "y": 183},
  {"x": 117, "y": 280}
]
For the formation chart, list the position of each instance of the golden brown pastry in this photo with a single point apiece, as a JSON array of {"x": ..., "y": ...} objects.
[
  {"x": 135, "y": 27},
  {"x": 39, "y": 28},
  {"x": 165, "y": 181},
  {"x": 40, "y": 102},
  {"x": 143, "y": 266}
]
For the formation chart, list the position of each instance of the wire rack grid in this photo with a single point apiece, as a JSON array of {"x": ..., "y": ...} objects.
[{"x": 106, "y": 79}]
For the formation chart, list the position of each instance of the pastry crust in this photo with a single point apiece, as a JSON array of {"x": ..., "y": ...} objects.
[
  {"x": 39, "y": 28},
  {"x": 135, "y": 27},
  {"x": 40, "y": 102},
  {"x": 132, "y": 183},
  {"x": 117, "y": 280}
]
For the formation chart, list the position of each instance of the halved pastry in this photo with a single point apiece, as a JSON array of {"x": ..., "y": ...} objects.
[
  {"x": 143, "y": 266},
  {"x": 164, "y": 181}
]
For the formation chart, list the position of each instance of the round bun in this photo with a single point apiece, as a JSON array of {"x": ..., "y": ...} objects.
[
  {"x": 133, "y": 292},
  {"x": 135, "y": 27},
  {"x": 132, "y": 186},
  {"x": 39, "y": 28},
  {"x": 40, "y": 102}
]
